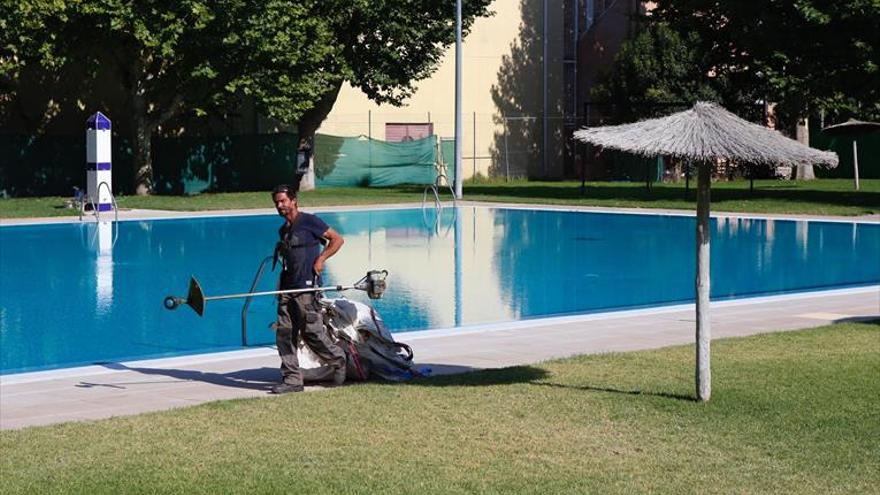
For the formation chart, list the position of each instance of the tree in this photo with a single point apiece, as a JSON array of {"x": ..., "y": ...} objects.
[
  {"x": 290, "y": 57},
  {"x": 655, "y": 68},
  {"x": 807, "y": 55},
  {"x": 165, "y": 58}
]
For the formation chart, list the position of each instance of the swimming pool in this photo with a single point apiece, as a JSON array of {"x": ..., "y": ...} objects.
[{"x": 75, "y": 294}]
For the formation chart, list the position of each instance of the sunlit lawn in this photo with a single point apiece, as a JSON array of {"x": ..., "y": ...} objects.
[{"x": 792, "y": 412}]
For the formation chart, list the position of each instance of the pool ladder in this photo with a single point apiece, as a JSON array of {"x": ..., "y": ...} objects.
[
  {"x": 247, "y": 301},
  {"x": 434, "y": 188},
  {"x": 84, "y": 202}
]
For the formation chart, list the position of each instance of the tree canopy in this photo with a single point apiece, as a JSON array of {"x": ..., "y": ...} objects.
[
  {"x": 654, "y": 68},
  {"x": 805, "y": 56},
  {"x": 197, "y": 58}
]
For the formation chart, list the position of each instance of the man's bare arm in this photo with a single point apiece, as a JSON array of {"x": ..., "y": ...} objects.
[{"x": 334, "y": 242}]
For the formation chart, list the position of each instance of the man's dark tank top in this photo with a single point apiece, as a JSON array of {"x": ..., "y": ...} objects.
[{"x": 298, "y": 249}]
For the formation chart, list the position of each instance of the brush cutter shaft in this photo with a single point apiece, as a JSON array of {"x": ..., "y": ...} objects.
[
  {"x": 286, "y": 291},
  {"x": 373, "y": 283}
]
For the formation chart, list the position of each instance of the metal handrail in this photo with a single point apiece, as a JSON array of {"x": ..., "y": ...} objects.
[
  {"x": 82, "y": 208},
  {"x": 438, "y": 182},
  {"x": 451, "y": 190},
  {"x": 433, "y": 188},
  {"x": 247, "y": 301},
  {"x": 112, "y": 198}
]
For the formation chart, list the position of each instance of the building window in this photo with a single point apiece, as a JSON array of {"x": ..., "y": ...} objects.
[{"x": 398, "y": 132}]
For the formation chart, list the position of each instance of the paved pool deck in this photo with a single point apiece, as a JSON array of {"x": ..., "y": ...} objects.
[{"x": 96, "y": 392}]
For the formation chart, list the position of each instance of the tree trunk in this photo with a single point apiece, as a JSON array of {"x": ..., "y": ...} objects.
[
  {"x": 142, "y": 135},
  {"x": 802, "y": 134},
  {"x": 676, "y": 171},
  {"x": 704, "y": 335},
  {"x": 308, "y": 125}
]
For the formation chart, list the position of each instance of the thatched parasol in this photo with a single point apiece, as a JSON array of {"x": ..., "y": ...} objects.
[
  {"x": 853, "y": 128},
  {"x": 705, "y": 133}
]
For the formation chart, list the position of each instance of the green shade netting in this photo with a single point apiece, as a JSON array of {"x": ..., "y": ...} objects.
[
  {"x": 627, "y": 166},
  {"x": 869, "y": 153},
  {"x": 447, "y": 152},
  {"x": 359, "y": 161}
]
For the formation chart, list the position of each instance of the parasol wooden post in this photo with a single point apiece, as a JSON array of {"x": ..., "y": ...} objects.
[
  {"x": 856, "y": 162},
  {"x": 751, "y": 179},
  {"x": 687, "y": 178},
  {"x": 704, "y": 334}
]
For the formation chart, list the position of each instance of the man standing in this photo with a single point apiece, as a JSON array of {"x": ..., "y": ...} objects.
[{"x": 302, "y": 258}]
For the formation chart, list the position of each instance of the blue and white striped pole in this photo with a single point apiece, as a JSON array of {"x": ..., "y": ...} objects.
[{"x": 99, "y": 178}]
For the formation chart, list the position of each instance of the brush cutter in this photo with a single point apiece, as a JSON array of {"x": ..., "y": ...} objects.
[{"x": 373, "y": 283}]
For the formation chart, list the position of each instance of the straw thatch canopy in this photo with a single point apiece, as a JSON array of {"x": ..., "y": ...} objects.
[{"x": 706, "y": 132}]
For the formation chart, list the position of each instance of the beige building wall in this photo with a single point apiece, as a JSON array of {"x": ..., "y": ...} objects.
[{"x": 501, "y": 77}]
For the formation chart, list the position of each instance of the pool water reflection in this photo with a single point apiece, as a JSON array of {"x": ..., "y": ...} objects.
[{"x": 78, "y": 294}]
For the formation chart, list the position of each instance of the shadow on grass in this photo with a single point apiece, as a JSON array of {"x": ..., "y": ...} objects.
[
  {"x": 868, "y": 320},
  {"x": 263, "y": 379},
  {"x": 589, "y": 388},
  {"x": 471, "y": 377},
  {"x": 464, "y": 376},
  {"x": 252, "y": 379}
]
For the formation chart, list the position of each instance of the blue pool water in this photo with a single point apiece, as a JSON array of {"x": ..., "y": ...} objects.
[{"x": 78, "y": 294}]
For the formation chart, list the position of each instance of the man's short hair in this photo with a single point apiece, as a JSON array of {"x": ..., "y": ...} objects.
[{"x": 286, "y": 189}]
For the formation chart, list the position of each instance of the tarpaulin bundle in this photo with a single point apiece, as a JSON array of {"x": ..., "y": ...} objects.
[{"x": 371, "y": 351}]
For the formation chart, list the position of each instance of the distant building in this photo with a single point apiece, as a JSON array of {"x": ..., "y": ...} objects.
[
  {"x": 510, "y": 96},
  {"x": 607, "y": 24}
]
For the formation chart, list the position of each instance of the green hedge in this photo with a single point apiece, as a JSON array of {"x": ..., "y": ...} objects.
[{"x": 54, "y": 165}]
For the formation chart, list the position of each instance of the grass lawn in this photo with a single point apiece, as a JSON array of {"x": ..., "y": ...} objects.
[
  {"x": 818, "y": 197},
  {"x": 793, "y": 412}
]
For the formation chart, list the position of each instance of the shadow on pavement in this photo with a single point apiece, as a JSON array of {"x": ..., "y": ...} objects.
[{"x": 252, "y": 379}]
